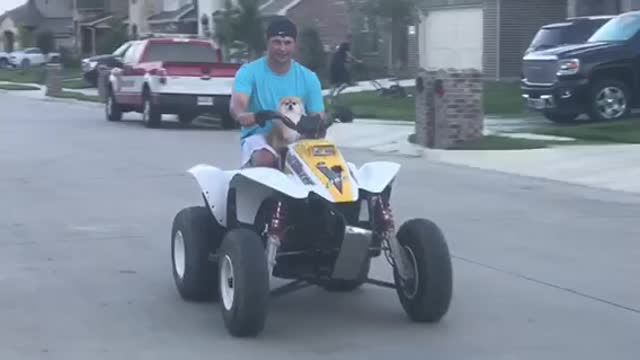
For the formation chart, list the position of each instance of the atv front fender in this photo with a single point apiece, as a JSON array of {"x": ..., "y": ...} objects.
[
  {"x": 375, "y": 176},
  {"x": 253, "y": 186}
]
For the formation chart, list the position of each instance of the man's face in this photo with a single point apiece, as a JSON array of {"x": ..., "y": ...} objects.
[{"x": 281, "y": 49}]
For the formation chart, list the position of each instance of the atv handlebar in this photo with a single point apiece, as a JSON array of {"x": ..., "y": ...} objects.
[{"x": 309, "y": 125}]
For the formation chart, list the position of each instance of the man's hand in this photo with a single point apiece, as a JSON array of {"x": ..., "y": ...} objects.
[{"x": 238, "y": 109}]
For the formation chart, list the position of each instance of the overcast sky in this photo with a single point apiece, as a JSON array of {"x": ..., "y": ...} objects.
[{"x": 10, "y": 4}]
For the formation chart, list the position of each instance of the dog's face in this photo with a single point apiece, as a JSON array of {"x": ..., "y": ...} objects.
[{"x": 292, "y": 106}]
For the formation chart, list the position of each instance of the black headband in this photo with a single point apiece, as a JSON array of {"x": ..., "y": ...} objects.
[{"x": 282, "y": 27}]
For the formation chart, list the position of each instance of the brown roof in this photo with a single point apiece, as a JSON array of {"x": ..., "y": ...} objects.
[{"x": 25, "y": 15}]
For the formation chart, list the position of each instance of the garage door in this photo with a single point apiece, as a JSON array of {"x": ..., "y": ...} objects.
[{"x": 452, "y": 38}]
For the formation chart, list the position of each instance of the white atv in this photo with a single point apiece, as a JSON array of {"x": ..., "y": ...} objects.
[{"x": 303, "y": 223}]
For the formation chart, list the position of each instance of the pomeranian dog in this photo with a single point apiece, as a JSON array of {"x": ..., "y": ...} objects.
[{"x": 281, "y": 135}]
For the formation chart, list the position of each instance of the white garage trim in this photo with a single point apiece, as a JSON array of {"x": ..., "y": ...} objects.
[{"x": 452, "y": 37}]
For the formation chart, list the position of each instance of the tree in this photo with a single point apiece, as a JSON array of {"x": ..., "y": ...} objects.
[
  {"x": 311, "y": 50},
  {"x": 241, "y": 23},
  {"x": 113, "y": 38},
  {"x": 404, "y": 11},
  {"x": 45, "y": 41},
  {"x": 25, "y": 35}
]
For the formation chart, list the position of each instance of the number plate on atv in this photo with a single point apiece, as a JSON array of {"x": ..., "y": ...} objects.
[{"x": 324, "y": 150}]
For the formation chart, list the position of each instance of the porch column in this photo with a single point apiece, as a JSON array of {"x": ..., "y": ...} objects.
[{"x": 93, "y": 41}]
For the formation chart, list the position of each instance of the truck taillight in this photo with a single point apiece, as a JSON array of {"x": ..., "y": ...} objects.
[{"x": 162, "y": 73}]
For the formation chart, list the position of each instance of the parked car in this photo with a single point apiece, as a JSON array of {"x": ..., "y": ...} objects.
[
  {"x": 32, "y": 56},
  {"x": 181, "y": 76},
  {"x": 599, "y": 77},
  {"x": 574, "y": 30},
  {"x": 90, "y": 64}
]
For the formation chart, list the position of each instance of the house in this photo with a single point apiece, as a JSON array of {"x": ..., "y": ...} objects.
[
  {"x": 334, "y": 20},
  {"x": 94, "y": 20},
  {"x": 382, "y": 44},
  {"x": 175, "y": 17},
  {"x": 492, "y": 35},
  {"x": 139, "y": 13},
  {"x": 33, "y": 17}
]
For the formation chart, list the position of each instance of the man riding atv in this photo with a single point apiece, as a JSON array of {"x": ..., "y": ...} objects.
[{"x": 260, "y": 86}]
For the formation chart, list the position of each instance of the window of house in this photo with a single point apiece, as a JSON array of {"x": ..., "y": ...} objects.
[{"x": 369, "y": 35}]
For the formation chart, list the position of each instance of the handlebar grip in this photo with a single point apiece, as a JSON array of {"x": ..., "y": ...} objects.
[{"x": 263, "y": 116}]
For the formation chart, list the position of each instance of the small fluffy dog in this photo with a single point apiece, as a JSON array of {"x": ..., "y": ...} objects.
[{"x": 281, "y": 135}]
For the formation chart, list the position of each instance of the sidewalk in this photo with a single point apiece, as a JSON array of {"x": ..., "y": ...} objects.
[{"x": 612, "y": 167}]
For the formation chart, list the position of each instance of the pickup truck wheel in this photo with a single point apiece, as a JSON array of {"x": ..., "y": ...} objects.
[
  {"x": 150, "y": 115},
  {"x": 4, "y": 63},
  {"x": 112, "y": 109},
  {"x": 609, "y": 100},
  {"x": 186, "y": 118},
  {"x": 227, "y": 121}
]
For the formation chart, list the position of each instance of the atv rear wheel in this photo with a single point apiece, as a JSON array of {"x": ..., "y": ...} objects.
[
  {"x": 426, "y": 296},
  {"x": 194, "y": 235},
  {"x": 244, "y": 283}
]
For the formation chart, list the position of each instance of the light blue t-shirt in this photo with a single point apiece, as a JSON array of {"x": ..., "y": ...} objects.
[{"x": 265, "y": 89}]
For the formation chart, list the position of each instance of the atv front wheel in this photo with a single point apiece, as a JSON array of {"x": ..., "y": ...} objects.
[
  {"x": 244, "y": 283},
  {"x": 194, "y": 235},
  {"x": 426, "y": 295}
]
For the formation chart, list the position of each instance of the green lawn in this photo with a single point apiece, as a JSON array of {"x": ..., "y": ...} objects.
[
  {"x": 79, "y": 96},
  {"x": 19, "y": 87},
  {"x": 75, "y": 84},
  {"x": 35, "y": 75},
  {"x": 627, "y": 131},
  {"x": 500, "y": 98}
]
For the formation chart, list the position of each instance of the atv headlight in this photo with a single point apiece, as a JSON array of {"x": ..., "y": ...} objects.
[{"x": 568, "y": 67}]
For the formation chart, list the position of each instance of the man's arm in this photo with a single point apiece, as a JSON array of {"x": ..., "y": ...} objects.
[
  {"x": 238, "y": 108},
  {"x": 242, "y": 88}
]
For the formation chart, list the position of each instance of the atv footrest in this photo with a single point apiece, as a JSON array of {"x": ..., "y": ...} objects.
[
  {"x": 289, "y": 288},
  {"x": 381, "y": 283}
]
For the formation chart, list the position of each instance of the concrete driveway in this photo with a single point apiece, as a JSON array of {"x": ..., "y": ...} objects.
[{"x": 541, "y": 269}]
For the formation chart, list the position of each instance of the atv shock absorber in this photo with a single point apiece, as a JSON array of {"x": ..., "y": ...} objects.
[
  {"x": 386, "y": 229},
  {"x": 275, "y": 233}
]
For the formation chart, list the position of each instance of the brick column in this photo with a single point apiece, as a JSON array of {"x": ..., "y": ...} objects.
[
  {"x": 449, "y": 108},
  {"x": 54, "y": 80}
]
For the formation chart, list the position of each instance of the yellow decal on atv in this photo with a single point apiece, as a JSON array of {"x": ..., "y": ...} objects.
[{"x": 324, "y": 160}]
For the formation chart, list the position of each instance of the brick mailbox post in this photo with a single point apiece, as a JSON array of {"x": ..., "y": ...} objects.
[
  {"x": 54, "y": 79},
  {"x": 103, "y": 81},
  {"x": 449, "y": 108}
]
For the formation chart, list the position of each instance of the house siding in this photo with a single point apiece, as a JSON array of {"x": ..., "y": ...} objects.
[
  {"x": 55, "y": 9},
  {"x": 593, "y": 7},
  {"x": 519, "y": 22}
]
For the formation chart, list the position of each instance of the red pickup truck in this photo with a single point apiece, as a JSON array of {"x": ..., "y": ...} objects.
[{"x": 181, "y": 76}]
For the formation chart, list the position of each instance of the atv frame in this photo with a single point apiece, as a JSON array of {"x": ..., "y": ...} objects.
[{"x": 258, "y": 223}]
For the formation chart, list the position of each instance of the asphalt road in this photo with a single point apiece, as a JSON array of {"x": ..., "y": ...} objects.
[{"x": 542, "y": 270}]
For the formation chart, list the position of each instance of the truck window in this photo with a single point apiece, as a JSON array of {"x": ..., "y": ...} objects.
[
  {"x": 184, "y": 52},
  {"x": 549, "y": 37},
  {"x": 621, "y": 28}
]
